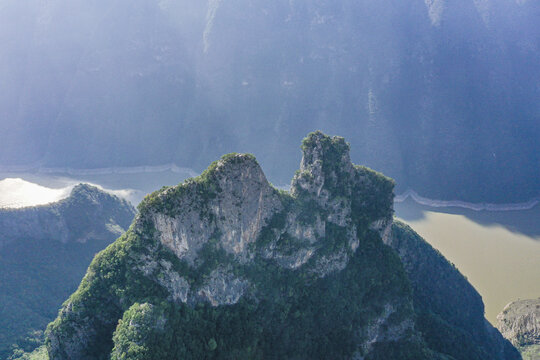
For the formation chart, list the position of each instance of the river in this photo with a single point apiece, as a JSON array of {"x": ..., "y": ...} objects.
[{"x": 498, "y": 251}]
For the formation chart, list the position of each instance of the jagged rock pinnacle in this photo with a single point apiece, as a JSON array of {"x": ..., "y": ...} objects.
[
  {"x": 319, "y": 148},
  {"x": 213, "y": 239}
]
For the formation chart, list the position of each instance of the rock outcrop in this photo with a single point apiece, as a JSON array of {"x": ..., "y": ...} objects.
[
  {"x": 226, "y": 266},
  {"x": 519, "y": 322}
]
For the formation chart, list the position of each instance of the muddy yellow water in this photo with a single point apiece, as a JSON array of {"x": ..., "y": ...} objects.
[{"x": 503, "y": 266}]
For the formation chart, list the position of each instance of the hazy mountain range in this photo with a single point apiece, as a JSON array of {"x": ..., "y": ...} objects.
[
  {"x": 44, "y": 253},
  {"x": 440, "y": 95}
]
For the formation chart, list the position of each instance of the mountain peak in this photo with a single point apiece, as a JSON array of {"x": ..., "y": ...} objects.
[
  {"x": 225, "y": 261},
  {"x": 84, "y": 191},
  {"x": 228, "y": 238},
  {"x": 326, "y": 169},
  {"x": 235, "y": 168},
  {"x": 320, "y": 149},
  {"x": 230, "y": 202}
]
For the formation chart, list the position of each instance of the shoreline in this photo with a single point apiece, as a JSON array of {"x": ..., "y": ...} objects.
[{"x": 527, "y": 205}]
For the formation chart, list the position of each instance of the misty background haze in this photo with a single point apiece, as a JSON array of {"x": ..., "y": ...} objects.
[{"x": 440, "y": 95}]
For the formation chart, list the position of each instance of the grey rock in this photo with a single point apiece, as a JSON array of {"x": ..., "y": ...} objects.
[
  {"x": 223, "y": 288},
  {"x": 240, "y": 203},
  {"x": 378, "y": 331},
  {"x": 519, "y": 322},
  {"x": 177, "y": 285},
  {"x": 244, "y": 203},
  {"x": 328, "y": 264},
  {"x": 208, "y": 240}
]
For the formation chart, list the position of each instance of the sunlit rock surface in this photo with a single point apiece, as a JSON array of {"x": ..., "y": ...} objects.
[
  {"x": 306, "y": 273},
  {"x": 519, "y": 322}
]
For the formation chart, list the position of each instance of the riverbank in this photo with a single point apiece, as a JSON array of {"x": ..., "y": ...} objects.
[{"x": 465, "y": 205}]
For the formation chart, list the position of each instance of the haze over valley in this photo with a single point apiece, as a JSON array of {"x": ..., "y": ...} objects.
[
  {"x": 440, "y": 95},
  {"x": 254, "y": 179}
]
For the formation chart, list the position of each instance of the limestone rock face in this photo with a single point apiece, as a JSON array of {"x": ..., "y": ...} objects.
[
  {"x": 223, "y": 288},
  {"x": 238, "y": 203},
  {"x": 241, "y": 203},
  {"x": 519, "y": 322},
  {"x": 206, "y": 241},
  {"x": 226, "y": 261}
]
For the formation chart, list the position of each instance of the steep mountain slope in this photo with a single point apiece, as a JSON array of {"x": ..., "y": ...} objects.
[
  {"x": 44, "y": 252},
  {"x": 226, "y": 266},
  {"x": 441, "y": 95},
  {"x": 449, "y": 310},
  {"x": 519, "y": 322}
]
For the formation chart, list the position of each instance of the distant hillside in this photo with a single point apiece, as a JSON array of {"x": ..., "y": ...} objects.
[
  {"x": 441, "y": 95},
  {"x": 225, "y": 266},
  {"x": 44, "y": 252}
]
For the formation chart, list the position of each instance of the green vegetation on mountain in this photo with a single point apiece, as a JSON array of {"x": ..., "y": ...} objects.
[
  {"x": 449, "y": 310},
  {"x": 39, "y": 353},
  {"x": 44, "y": 253},
  {"x": 224, "y": 266}
]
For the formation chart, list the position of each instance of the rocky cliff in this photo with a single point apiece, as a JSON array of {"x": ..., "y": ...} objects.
[
  {"x": 226, "y": 266},
  {"x": 519, "y": 322},
  {"x": 44, "y": 252}
]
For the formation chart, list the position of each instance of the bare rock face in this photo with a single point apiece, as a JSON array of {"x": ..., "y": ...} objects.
[
  {"x": 325, "y": 162},
  {"x": 177, "y": 285},
  {"x": 519, "y": 322},
  {"x": 240, "y": 203},
  {"x": 223, "y": 288},
  {"x": 226, "y": 261},
  {"x": 211, "y": 241},
  {"x": 232, "y": 205}
]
